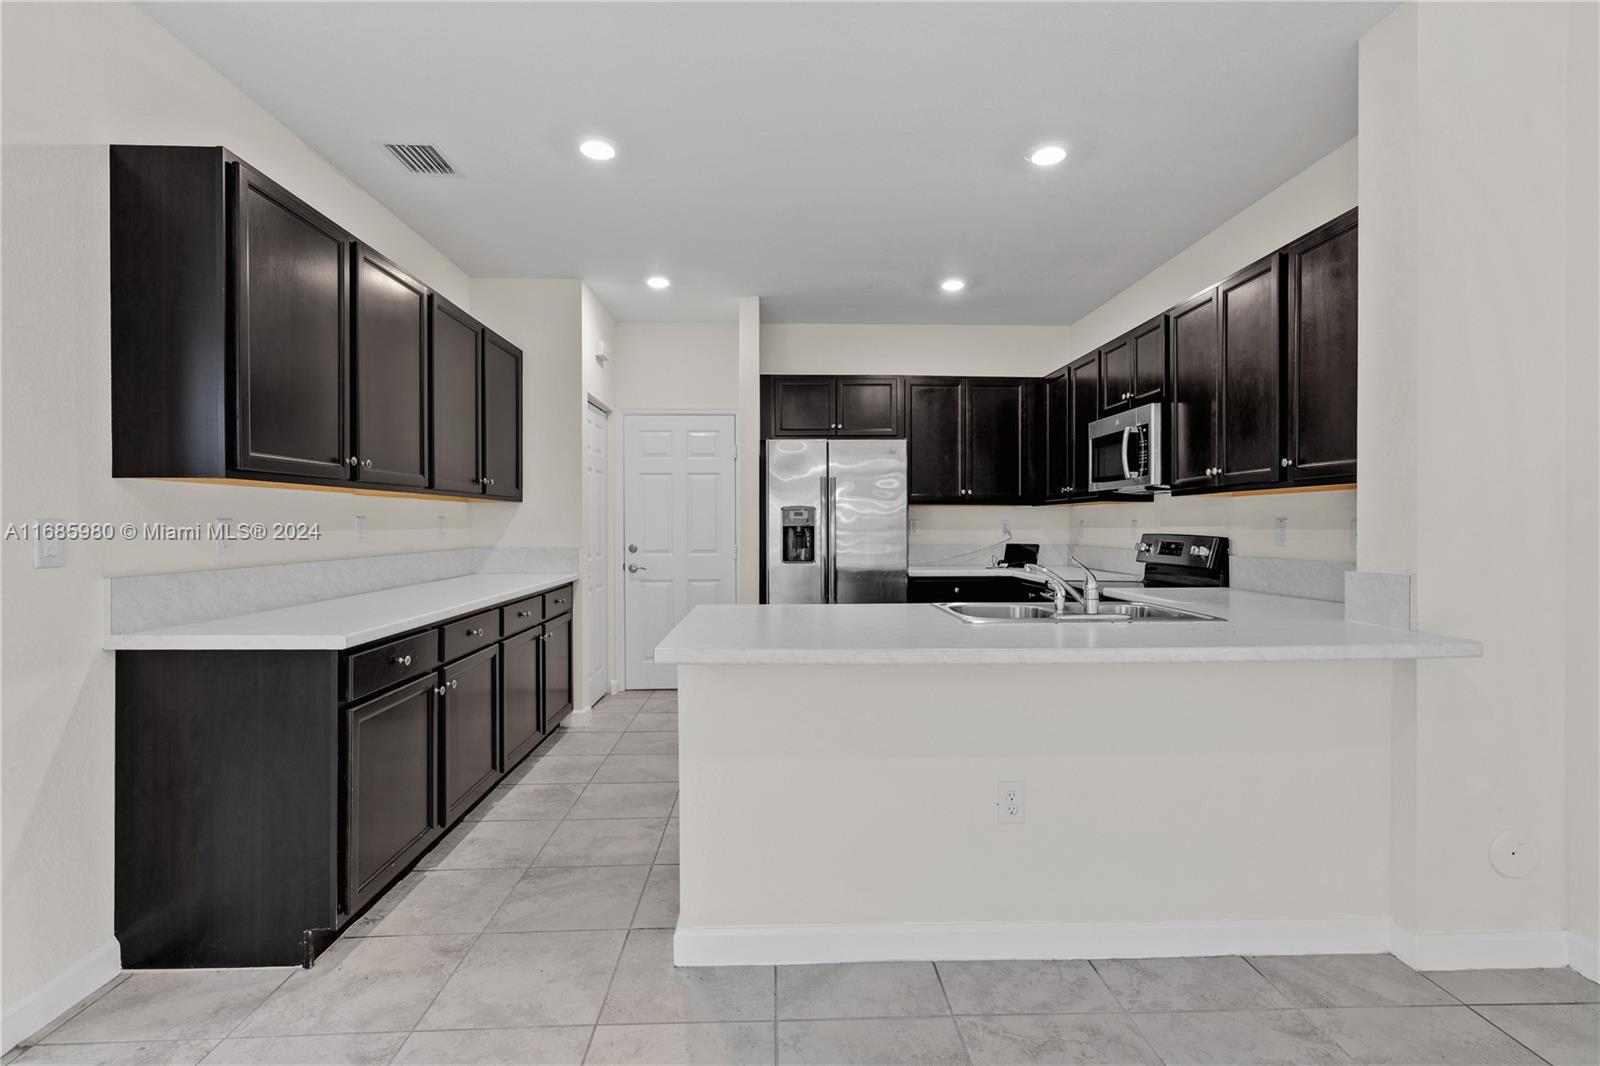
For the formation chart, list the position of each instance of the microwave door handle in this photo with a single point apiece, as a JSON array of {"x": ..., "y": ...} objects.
[{"x": 1127, "y": 467}]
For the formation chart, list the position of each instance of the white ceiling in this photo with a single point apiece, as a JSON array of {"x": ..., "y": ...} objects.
[{"x": 834, "y": 159}]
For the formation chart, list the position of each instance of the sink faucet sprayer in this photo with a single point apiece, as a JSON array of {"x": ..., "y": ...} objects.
[{"x": 1060, "y": 589}]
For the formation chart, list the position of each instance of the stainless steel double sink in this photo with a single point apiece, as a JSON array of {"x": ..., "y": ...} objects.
[{"x": 1110, "y": 611}]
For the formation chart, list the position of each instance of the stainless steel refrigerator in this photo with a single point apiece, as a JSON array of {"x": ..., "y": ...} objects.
[{"x": 836, "y": 521}]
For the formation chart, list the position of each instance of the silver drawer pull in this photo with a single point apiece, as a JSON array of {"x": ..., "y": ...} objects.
[
  {"x": 524, "y": 614},
  {"x": 401, "y": 660},
  {"x": 452, "y": 683},
  {"x": 475, "y": 632}
]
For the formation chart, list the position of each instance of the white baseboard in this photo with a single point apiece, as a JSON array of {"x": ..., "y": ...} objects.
[
  {"x": 1508, "y": 949},
  {"x": 50, "y": 1000},
  {"x": 1583, "y": 955},
  {"x": 929, "y": 941}
]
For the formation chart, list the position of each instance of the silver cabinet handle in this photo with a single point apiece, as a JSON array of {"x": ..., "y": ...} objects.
[
  {"x": 524, "y": 614},
  {"x": 353, "y": 461},
  {"x": 634, "y": 568},
  {"x": 401, "y": 660},
  {"x": 438, "y": 690},
  {"x": 1288, "y": 462},
  {"x": 544, "y": 636},
  {"x": 366, "y": 464},
  {"x": 491, "y": 481},
  {"x": 478, "y": 632},
  {"x": 452, "y": 683}
]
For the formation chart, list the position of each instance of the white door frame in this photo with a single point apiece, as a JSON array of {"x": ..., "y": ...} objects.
[
  {"x": 600, "y": 649},
  {"x": 619, "y": 454}
]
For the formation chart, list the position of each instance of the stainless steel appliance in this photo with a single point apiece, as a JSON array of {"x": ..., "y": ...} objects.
[
  {"x": 1183, "y": 560},
  {"x": 836, "y": 521},
  {"x": 1125, "y": 451}
]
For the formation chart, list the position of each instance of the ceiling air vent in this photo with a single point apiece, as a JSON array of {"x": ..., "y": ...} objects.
[{"x": 421, "y": 158}]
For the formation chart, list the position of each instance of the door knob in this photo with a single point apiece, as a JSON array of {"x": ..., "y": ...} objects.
[{"x": 634, "y": 568}]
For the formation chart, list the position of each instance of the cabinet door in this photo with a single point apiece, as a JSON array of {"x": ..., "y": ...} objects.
[
  {"x": 291, "y": 334},
  {"x": 1057, "y": 437},
  {"x": 1322, "y": 353},
  {"x": 1196, "y": 358},
  {"x": 933, "y": 440},
  {"x": 471, "y": 698},
  {"x": 456, "y": 392},
  {"x": 1083, "y": 395},
  {"x": 803, "y": 407},
  {"x": 1116, "y": 375},
  {"x": 556, "y": 667},
  {"x": 502, "y": 417},
  {"x": 519, "y": 696},
  {"x": 867, "y": 407},
  {"x": 1251, "y": 427},
  {"x": 996, "y": 440},
  {"x": 1148, "y": 344},
  {"x": 391, "y": 373},
  {"x": 391, "y": 792}
]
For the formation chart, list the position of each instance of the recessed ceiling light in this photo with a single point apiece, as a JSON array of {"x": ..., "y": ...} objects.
[
  {"x": 1047, "y": 155},
  {"x": 598, "y": 149},
  {"x": 952, "y": 284},
  {"x": 656, "y": 281}
]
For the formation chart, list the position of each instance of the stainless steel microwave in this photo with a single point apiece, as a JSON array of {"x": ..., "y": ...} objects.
[{"x": 1125, "y": 451}]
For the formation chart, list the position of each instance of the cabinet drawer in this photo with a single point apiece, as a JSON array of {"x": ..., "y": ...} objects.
[
  {"x": 524, "y": 614},
  {"x": 470, "y": 634},
  {"x": 558, "y": 601},
  {"x": 389, "y": 664}
]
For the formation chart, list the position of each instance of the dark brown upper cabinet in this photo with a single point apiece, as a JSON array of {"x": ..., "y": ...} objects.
[
  {"x": 968, "y": 439},
  {"x": 935, "y": 431},
  {"x": 1196, "y": 371},
  {"x": 456, "y": 391},
  {"x": 858, "y": 406},
  {"x": 1320, "y": 271},
  {"x": 1133, "y": 368},
  {"x": 1116, "y": 374},
  {"x": 291, "y": 333},
  {"x": 1057, "y": 433},
  {"x": 502, "y": 417},
  {"x": 997, "y": 440},
  {"x": 1083, "y": 395},
  {"x": 391, "y": 373},
  {"x": 1250, "y": 422},
  {"x": 254, "y": 339}
]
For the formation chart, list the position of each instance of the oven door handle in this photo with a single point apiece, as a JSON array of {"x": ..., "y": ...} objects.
[{"x": 1127, "y": 466}]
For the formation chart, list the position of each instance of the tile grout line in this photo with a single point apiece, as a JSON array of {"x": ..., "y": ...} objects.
[
  {"x": 961, "y": 1038},
  {"x": 1473, "y": 1007}
]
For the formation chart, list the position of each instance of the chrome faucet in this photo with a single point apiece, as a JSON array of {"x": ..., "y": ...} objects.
[{"x": 1060, "y": 589}]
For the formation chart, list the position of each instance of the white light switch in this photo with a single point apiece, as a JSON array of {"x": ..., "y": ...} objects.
[{"x": 48, "y": 552}]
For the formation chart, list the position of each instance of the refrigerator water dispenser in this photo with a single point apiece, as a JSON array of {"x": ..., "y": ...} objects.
[{"x": 799, "y": 534}]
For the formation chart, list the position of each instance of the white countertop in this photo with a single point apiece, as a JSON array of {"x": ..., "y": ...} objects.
[
  {"x": 345, "y": 622},
  {"x": 1255, "y": 628},
  {"x": 1068, "y": 572}
]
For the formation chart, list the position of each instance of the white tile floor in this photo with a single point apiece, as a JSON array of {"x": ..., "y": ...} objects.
[{"x": 539, "y": 931}]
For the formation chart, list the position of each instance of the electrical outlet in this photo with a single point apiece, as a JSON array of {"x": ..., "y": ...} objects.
[
  {"x": 361, "y": 529},
  {"x": 914, "y": 525},
  {"x": 1280, "y": 531},
  {"x": 1010, "y": 806}
]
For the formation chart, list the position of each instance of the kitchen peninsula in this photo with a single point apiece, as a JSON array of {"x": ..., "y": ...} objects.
[{"x": 1180, "y": 787}]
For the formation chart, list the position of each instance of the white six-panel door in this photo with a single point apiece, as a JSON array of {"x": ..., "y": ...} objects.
[
  {"x": 596, "y": 574},
  {"x": 678, "y": 530}
]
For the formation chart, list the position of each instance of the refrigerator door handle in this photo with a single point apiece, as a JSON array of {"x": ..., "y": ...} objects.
[{"x": 830, "y": 494}]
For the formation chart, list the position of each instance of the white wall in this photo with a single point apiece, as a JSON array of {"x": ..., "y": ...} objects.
[
  {"x": 678, "y": 365},
  {"x": 77, "y": 77},
  {"x": 1478, "y": 147},
  {"x": 1024, "y": 351}
]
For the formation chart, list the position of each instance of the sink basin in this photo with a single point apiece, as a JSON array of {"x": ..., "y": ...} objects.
[{"x": 1110, "y": 611}]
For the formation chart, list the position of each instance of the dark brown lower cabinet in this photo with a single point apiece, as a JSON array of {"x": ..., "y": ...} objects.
[
  {"x": 392, "y": 793},
  {"x": 471, "y": 699},
  {"x": 263, "y": 798},
  {"x": 556, "y": 669},
  {"x": 519, "y": 696}
]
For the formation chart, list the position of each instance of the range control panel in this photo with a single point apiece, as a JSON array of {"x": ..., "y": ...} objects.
[{"x": 1188, "y": 556}]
